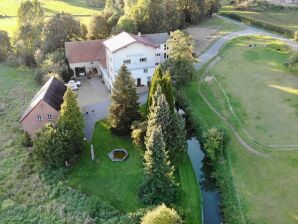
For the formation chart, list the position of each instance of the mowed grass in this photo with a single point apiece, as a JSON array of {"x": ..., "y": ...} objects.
[
  {"x": 286, "y": 18},
  {"x": 267, "y": 186},
  {"x": 264, "y": 94},
  {"x": 78, "y": 8},
  {"x": 190, "y": 196},
  {"x": 118, "y": 182}
]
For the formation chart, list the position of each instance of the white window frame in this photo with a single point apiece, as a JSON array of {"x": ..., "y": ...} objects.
[
  {"x": 145, "y": 70},
  {"x": 39, "y": 117}
]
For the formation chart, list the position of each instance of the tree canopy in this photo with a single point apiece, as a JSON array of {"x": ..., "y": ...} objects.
[
  {"x": 162, "y": 215},
  {"x": 98, "y": 28},
  {"x": 59, "y": 29}
]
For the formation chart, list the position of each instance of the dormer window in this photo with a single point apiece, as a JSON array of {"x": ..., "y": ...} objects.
[{"x": 39, "y": 118}]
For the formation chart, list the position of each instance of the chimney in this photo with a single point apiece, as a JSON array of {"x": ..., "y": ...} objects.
[{"x": 139, "y": 34}]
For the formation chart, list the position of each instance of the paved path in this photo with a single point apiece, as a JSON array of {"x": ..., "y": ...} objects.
[
  {"x": 248, "y": 30},
  {"x": 99, "y": 111}
]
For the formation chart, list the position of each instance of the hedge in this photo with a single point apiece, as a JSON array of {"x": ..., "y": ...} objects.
[{"x": 261, "y": 24}]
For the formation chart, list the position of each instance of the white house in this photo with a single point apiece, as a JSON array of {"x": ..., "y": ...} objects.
[{"x": 140, "y": 53}]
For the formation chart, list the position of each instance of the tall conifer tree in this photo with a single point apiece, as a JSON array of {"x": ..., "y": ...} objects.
[
  {"x": 124, "y": 108},
  {"x": 159, "y": 185}
]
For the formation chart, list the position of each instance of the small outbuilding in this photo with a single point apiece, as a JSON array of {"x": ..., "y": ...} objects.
[{"x": 44, "y": 107}]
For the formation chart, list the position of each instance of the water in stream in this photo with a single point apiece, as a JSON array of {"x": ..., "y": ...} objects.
[{"x": 211, "y": 199}]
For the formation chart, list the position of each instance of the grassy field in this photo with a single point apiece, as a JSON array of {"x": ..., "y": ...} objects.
[
  {"x": 263, "y": 91},
  {"x": 286, "y": 18},
  {"x": 77, "y": 8},
  {"x": 267, "y": 185},
  {"x": 118, "y": 182}
]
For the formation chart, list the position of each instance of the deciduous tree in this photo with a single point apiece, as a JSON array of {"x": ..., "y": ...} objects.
[
  {"x": 30, "y": 21},
  {"x": 5, "y": 46},
  {"x": 98, "y": 28},
  {"x": 59, "y": 29}
]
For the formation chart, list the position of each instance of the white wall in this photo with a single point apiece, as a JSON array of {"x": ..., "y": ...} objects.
[{"x": 133, "y": 53}]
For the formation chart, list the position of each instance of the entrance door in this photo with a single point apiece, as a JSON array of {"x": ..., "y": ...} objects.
[{"x": 138, "y": 82}]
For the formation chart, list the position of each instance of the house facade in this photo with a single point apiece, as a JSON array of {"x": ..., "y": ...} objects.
[
  {"x": 140, "y": 53},
  {"x": 44, "y": 107}
]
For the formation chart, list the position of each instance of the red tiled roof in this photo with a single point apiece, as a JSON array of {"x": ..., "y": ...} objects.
[{"x": 83, "y": 51}]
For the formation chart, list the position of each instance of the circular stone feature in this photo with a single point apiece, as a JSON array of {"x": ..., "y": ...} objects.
[{"x": 118, "y": 155}]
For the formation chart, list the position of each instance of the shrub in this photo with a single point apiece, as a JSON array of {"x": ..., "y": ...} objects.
[
  {"x": 138, "y": 133},
  {"x": 26, "y": 140},
  {"x": 162, "y": 215},
  {"x": 39, "y": 76}
]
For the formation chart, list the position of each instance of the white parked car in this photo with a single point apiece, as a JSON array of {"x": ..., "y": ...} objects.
[
  {"x": 73, "y": 87},
  {"x": 74, "y": 82}
]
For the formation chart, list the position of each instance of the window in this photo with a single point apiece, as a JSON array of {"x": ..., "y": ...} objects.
[
  {"x": 50, "y": 117},
  {"x": 165, "y": 56},
  {"x": 145, "y": 70},
  {"x": 165, "y": 47},
  {"x": 159, "y": 46},
  {"x": 156, "y": 63},
  {"x": 158, "y": 54},
  {"x": 39, "y": 118},
  {"x": 143, "y": 59},
  {"x": 127, "y": 61}
]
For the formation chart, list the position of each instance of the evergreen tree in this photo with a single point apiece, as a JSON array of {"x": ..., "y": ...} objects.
[
  {"x": 159, "y": 114},
  {"x": 50, "y": 147},
  {"x": 124, "y": 107},
  {"x": 71, "y": 121},
  {"x": 167, "y": 89},
  {"x": 165, "y": 82},
  {"x": 98, "y": 28},
  {"x": 159, "y": 184},
  {"x": 155, "y": 80},
  {"x": 177, "y": 138}
]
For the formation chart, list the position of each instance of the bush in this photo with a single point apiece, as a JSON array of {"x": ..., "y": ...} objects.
[
  {"x": 12, "y": 60},
  {"x": 162, "y": 215},
  {"x": 39, "y": 76},
  {"x": 138, "y": 133},
  {"x": 26, "y": 140}
]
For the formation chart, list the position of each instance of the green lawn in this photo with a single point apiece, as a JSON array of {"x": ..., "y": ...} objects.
[
  {"x": 118, "y": 182},
  {"x": 78, "y": 8},
  {"x": 286, "y": 18},
  {"x": 267, "y": 186},
  {"x": 190, "y": 199}
]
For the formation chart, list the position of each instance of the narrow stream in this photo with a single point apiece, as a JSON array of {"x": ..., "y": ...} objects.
[{"x": 210, "y": 196}]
